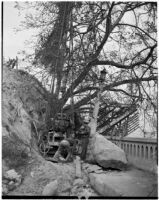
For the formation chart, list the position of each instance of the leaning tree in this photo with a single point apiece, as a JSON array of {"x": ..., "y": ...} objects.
[{"x": 78, "y": 39}]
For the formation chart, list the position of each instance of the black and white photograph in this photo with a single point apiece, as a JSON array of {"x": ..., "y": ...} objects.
[{"x": 79, "y": 100}]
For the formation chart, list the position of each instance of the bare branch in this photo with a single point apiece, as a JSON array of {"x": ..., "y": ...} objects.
[
  {"x": 121, "y": 24},
  {"x": 118, "y": 65}
]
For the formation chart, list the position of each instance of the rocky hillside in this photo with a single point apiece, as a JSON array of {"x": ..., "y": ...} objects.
[
  {"x": 23, "y": 108},
  {"x": 23, "y": 102},
  {"x": 24, "y": 170}
]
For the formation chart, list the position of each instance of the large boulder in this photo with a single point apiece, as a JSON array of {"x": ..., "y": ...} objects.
[
  {"x": 130, "y": 183},
  {"x": 107, "y": 154},
  {"x": 100, "y": 185}
]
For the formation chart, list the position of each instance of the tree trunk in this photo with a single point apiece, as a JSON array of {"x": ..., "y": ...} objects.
[
  {"x": 93, "y": 122},
  {"x": 62, "y": 24},
  {"x": 54, "y": 106}
]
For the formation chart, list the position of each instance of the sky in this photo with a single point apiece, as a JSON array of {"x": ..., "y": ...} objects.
[{"x": 13, "y": 42}]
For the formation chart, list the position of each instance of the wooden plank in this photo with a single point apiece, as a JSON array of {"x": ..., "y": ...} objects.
[
  {"x": 131, "y": 118},
  {"x": 134, "y": 114},
  {"x": 78, "y": 167}
]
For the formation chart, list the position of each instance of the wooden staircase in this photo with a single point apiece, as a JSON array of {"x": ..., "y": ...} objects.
[{"x": 122, "y": 122}]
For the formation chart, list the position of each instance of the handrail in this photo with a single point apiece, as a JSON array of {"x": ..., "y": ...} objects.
[{"x": 137, "y": 140}]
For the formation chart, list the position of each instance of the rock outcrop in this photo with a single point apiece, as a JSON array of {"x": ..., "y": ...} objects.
[
  {"x": 22, "y": 101},
  {"x": 105, "y": 153}
]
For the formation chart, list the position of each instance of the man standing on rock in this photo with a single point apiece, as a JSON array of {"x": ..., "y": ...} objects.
[{"x": 84, "y": 133}]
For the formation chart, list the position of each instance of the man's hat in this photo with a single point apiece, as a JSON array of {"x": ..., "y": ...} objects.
[{"x": 64, "y": 143}]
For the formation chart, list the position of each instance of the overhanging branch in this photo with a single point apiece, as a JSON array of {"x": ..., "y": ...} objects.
[
  {"x": 118, "y": 65},
  {"x": 86, "y": 99}
]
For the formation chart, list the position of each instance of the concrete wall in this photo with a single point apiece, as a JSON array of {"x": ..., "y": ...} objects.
[{"x": 141, "y": 152}]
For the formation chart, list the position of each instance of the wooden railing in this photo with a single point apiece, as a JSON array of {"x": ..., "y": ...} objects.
[{"x": 141, "y": 152}]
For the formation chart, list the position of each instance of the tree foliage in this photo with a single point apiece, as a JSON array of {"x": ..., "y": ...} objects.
[{"x": 84, "y": 37}]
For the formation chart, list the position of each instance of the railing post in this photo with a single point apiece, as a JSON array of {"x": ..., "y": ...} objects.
[
  {"x": 154, "y": 153},
  {"x": 139, "y": 150},
  {"x": 149, "y": 153},
  {"x": 144, "y": 151}
]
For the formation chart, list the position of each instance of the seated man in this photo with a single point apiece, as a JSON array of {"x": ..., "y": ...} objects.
[{"x": 63, "y": 153}]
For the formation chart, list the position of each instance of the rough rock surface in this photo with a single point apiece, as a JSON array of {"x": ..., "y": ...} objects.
[
  {"x": 107, "y": 154},
  {"x": 78, "y": 182},
  {"x": 81, "y": 187},
  {"x": 11, "y": 179},
  {"x": 12, "y": 175},
  {"x": 91, "y": 168},
  {"x": 41, "y": 173},
  {"x": 22, "y": 101},
  {"x": 132, "y": 183}
]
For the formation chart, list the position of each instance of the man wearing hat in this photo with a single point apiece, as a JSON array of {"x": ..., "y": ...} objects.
[{"x": 64, "y": 152}]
